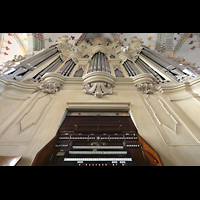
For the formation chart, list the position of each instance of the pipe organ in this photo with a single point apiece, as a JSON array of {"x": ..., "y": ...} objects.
[
  {"x": 150, "y": 62},
  {"x": 137, "y": 94}
]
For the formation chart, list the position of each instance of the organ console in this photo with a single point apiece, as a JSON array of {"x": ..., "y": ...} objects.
[{"x": 76, "y": 145}]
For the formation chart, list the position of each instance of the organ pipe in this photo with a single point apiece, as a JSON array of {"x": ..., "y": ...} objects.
[
  {"x": 103, "y": 63},
  {"x": 99, "y": 62},
  {"x": 131, "y": 68},
  {"x": 40, "y": 55},
  {"x": 147, "y": 69},
  {"x": 50, "y": 68},
  {"x": 31, "y": 63},
  {"x": 172, "y": 65},
  {"x": 67, "y": 68}
]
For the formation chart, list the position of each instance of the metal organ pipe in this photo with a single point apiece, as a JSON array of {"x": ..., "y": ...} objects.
[
  {"x": 139, "y": 62},
  {"x": 99, "y": 62},
  {"x": 103, "y": 62},
  {"x": 41, "y": 62},
  {"x": 165, "y": 67},
  {"x": 131, "y": 68},
  {"x": 56, "y": 65},
  {"x": 38, "y": 61},
  {"x": 46, "y": 57},
  {"x": 146, "y": 68},
  {"x": 31, "y": 63},
  {"x": 37, "y": 56},
  {"x": 156, "y": 59},
  {"x": 131, "y": 73},
  {"x": 50, "y": 68},
  {"x": 70, "y": 69},
  {"x": 154, "y": 63},
  {"x": 67, "y": 68},
  {"x": 96, "y": 63},
  {"x": 91, "y": 66},
  {"x": 107, "y": 65},
  {"x": 127, "y": 69},
  {"x": 173, "y": 66}
]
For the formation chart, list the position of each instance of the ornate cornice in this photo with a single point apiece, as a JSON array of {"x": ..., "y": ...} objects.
[
  {"x": 17, "y": 90},
  {"x": 98, "y": 77},
  {"x": 53, "y": 77},
  {"x": 143, "y": 78}
]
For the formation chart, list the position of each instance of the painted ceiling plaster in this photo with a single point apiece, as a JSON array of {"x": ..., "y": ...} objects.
[{"x": 184, "y": 45}]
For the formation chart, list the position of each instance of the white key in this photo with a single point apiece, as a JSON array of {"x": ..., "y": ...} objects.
[{"x": 98, "y": 159}]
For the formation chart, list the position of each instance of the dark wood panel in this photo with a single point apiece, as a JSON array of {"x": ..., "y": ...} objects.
[
  {"x": 43, "y": 157},
  {"x": 9, "y": 160},
  {"x": 97, "y": 123}
]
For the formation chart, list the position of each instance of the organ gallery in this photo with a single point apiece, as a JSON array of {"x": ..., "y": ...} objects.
[{"x": 98, "y": 103}]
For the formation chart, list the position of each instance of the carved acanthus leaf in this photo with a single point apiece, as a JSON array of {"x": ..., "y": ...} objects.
[
  {"x": 146, "y": 88},
  {"x": 50, "y": 87},
  {"x": 98, "y": 89}
]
